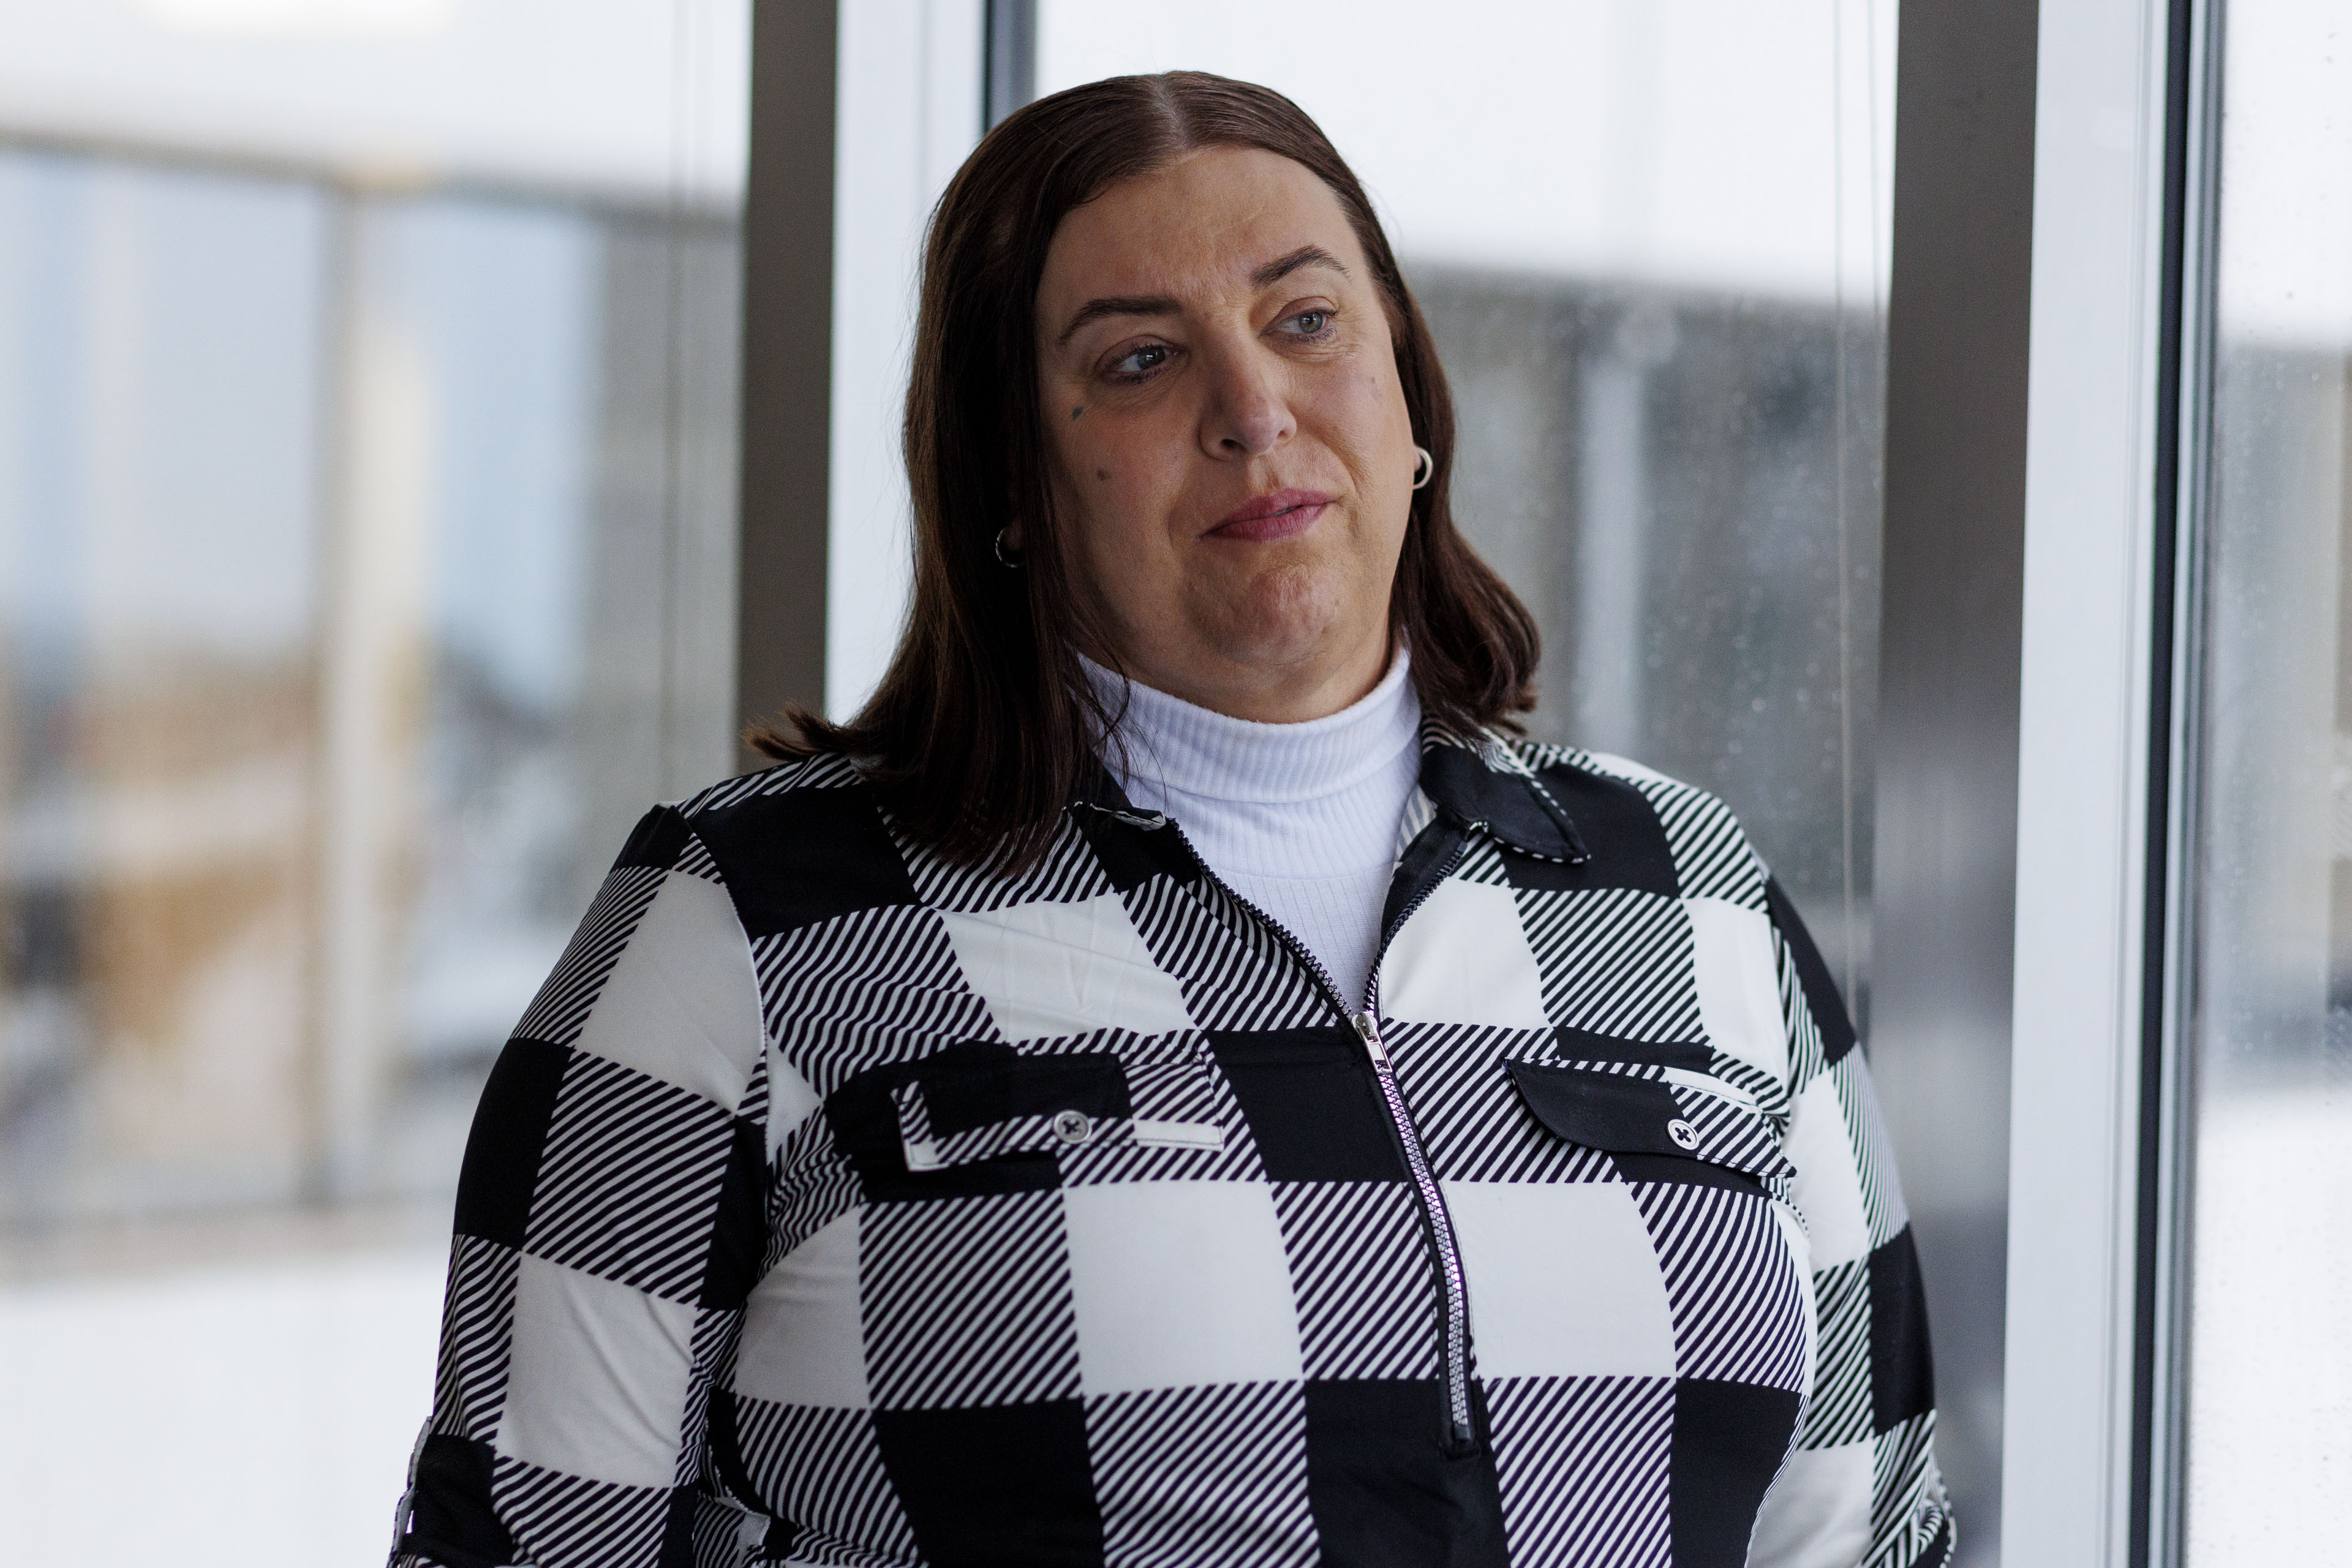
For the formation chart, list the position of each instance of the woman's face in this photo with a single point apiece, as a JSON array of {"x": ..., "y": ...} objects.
[{"x": 1229, "y": 442}]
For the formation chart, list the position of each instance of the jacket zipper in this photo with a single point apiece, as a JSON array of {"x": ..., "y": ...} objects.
[
  {"x": 1441, "y": 1227},
  {"x": 1432, "y": 1202},
  {"x": 1453, "y": 1282}
]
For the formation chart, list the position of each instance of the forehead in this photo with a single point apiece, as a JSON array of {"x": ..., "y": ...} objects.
[{"x": 1202, "y": 225}]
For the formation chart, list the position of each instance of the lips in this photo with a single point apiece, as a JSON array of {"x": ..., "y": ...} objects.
[{"x": 1278, "y": 515}]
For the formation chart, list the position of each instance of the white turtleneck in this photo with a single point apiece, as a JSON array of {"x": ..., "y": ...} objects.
[{"x": 1300, "y": 819}]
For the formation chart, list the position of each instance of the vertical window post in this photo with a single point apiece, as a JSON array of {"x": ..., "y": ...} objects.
[
  {"x": 1010, "y": 70},
  {"x": 787, "y": 360},
  {"x": 2099, "y": 446},
  {"x": 1944, "y": 885}
]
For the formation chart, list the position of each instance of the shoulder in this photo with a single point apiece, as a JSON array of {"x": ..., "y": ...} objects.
[
  {"x": 794, "y": 844},
  {"x": 1637, "y": 807},
  {"x": 775, "y": 785}
]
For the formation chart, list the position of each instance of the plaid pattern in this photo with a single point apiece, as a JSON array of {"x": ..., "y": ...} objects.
[{"x": 837, "y": 1206}]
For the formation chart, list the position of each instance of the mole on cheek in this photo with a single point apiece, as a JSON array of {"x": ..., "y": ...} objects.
[
  {"x": 1102, "y": 473},
  {"x": 1078, "y": 410}
]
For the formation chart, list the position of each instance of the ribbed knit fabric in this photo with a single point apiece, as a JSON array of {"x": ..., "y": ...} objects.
[{"x": 1300, "y": 819}]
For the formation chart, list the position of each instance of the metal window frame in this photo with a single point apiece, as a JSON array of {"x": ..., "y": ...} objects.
[
  {"x": 2116, "y": 455},
  {"x": 2104, "y": 587},
  {"x": 2184, "y": 500},
  {"x": 1009, "y": 70},
  {"x": 788, "y": 369},
  {"x": 859, "y": 115},
  {"x": 1942, "y": 888}
]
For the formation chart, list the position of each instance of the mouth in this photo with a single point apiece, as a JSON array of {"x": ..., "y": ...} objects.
[{"x": 1279, "y": 515}]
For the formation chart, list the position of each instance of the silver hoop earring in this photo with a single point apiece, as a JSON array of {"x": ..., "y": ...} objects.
[
  {"x": 1008, "y": 559},
  {"x": 1427, "y": 470}
]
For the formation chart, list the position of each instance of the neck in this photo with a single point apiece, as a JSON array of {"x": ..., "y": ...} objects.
[
  {"x": 1175, "y": 746},
  {"x": 1300, "y": 819},
  {"x": 1283, "y": 694}
]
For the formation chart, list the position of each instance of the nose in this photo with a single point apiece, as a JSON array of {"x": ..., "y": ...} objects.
[{"x": 1248, "y": 414}]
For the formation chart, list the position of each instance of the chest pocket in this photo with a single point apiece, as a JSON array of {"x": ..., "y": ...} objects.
[
  {"x": 972, "y": 1103},
  {"x": 1681, "y": 1128}
]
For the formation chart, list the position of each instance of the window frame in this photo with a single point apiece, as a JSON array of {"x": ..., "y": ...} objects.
[{"x": 2116, "y": 453}]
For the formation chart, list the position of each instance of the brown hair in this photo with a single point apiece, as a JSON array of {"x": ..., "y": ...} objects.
[{"x": 982, "y": 729}]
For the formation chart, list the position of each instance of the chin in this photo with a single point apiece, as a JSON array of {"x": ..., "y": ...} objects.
[{"x": 1286, "y": 617}]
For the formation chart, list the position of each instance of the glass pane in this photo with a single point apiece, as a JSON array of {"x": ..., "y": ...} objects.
[
  {"x": 525, "y": 618},
  {"x": 363, "y": 582},
  {"x": 2270, "y": 1368},
  {"x": 160, "y": 393},
  {"x": 367, "y": 448}
]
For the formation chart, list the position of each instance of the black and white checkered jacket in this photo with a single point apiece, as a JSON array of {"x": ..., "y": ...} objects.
[{"x": 833, "y": 1205}]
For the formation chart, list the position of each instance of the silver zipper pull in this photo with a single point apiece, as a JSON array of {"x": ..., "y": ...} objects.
[{"x": 1369, "y": 1028}]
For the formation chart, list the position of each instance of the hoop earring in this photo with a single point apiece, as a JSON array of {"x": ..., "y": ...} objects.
[
  {"x": 1427, "y": 470},
  {"x": 1008, "y": 559}
]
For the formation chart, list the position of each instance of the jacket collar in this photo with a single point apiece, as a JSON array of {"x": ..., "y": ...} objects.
[
  {"x": 1479, "y": 783},
  {"x": 1098, "y": 793},
  {"x": 1475, "y": 782}
]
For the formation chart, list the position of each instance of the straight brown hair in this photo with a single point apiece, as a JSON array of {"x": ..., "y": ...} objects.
[{"x": 985, "y": 727}]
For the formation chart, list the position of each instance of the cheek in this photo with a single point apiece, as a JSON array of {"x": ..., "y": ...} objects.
[
  {"x": 1362, "y": 417},
  {"x": 1122, "y": 491},
  {"x": 1121, "y": 478},
  {"x": 1364, "y": 409}
]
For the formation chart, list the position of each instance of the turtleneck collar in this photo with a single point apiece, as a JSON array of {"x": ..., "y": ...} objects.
[{"x": 1184, "y": 749}]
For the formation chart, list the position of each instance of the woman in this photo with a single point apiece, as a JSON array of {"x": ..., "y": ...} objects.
[{"x": 1170, "y": 1082}]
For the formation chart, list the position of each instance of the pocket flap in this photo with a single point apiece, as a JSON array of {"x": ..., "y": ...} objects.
[
  {"x": 964, "y": 1093},
  {"x": 964, "y": 1105},
  {"x": 970, "y": 1104},
  {"x": 1626, "y": 1114}
]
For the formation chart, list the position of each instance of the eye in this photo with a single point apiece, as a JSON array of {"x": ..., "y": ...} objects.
[
  {"x": 1312, "y": 324},
  {"x": 1138, "y": 362}
]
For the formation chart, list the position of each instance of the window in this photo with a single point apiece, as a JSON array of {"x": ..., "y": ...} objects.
[
  {"x": 2269, "y": 1015},
  {"x": 367, "y": 469}
]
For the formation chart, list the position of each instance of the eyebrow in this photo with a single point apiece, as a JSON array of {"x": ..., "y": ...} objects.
[
  {"x": 1117, "y": 305},
  {"x": 1282, "y": 267},
  {"x": 1273, "y": 272}
]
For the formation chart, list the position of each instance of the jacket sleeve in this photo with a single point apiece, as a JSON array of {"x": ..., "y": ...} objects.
[
  {"x": 610, "y": 1221},
  {"x": 1860, "y": 1486}
]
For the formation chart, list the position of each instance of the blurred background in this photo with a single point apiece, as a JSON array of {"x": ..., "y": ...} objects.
[
  {"x": 367, "y": 493},
  {"x": 370, "y": 440}
]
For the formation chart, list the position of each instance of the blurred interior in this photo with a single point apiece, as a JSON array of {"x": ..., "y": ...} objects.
[{"x": 367, "y": 473}]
